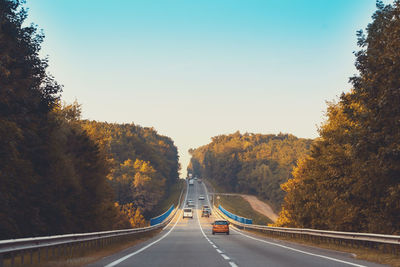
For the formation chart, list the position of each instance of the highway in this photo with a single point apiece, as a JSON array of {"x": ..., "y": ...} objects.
[{"x": 189, "y": 242}]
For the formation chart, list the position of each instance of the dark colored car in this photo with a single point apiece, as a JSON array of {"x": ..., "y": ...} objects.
[
  {"x": 205, "y": 213},
  {"x": 205, "y": 207}
]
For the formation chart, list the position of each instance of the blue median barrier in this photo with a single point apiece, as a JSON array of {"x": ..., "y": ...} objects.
[
  {"x": 235, "y": 217},
  {"x": 162, "y": 217}
]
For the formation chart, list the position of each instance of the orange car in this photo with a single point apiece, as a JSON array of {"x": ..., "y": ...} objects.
[{"x": 220, "y": 226}]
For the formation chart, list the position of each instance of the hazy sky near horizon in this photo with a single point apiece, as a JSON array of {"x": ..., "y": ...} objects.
[{"x": 197, "y": 69}]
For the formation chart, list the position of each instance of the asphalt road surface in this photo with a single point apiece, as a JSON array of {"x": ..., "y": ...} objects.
[{"x": 189, "y": 242}]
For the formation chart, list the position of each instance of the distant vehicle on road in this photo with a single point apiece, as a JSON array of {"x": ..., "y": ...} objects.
[
  {"x": 191, "y": 182},
  {"x": 206, "y": 207},
  {"x": 201, "y": 197},
  {"x": 190, "y": 203},
  {"x": 187, "y": 213},
  {"x": 205, "y": 213},
  {"x": 220, "y": 226}
]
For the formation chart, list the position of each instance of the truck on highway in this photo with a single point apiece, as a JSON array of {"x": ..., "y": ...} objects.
[{"x": 191, "y": 182}]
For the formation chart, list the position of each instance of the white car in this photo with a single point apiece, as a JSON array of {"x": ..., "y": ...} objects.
[
  {"x": 187, "y": 213},
  {"x": 190, "y": 203},
  {"x": 201, "y": 197}
]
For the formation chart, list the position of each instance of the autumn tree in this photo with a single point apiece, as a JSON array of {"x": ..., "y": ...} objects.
[
  {"x": 144, "y": 164},
  {"x": 351, "y": 180}
]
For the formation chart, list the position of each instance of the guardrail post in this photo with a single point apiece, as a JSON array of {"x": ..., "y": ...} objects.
[
  {"x": 1, "y": 260},
  {"x": 12, "y": 259},
  {"x": 30, "y": 251}
]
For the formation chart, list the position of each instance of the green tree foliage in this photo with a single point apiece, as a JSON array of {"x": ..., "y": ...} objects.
[
  {"x": 143, "y": 163},
  {"x": 80, "y": 191},
  {"x": 53, "y": 177},
  {"x": 249, "y": 163},
  {"x": 351, "y": 179},
  {"x": 27, "y": 94}
]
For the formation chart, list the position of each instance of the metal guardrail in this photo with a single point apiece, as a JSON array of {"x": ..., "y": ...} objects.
[
  {"x": 376, "y": 241},
  {"x": 161, "y": 218},
  {"x": 66, "y": 245},
  {"x": 235, "y": 217},
  {"x": 353, "y": 239}
]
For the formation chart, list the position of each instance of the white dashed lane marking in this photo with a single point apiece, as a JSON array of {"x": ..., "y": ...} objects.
[
  {"x": 231, "y": 263},
  {"x": 225, "y": 257}
]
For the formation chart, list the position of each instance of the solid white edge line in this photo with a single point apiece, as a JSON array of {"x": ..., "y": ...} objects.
[
  {"x": 300, "y": 251},
  {"x": 225, "y": 257},
  {"x": 149, "y": 245},
  {"x": 143, "y": 248},
  {"x": 293, "y": 249},
  {"x": 167, "y": 225}
]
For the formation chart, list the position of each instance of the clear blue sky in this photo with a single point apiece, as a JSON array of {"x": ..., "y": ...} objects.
[{"x": 196, "y": 69}]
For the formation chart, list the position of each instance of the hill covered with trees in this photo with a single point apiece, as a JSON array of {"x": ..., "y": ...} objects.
[
  {"x": 351, "y": 179},
  {"x": 143, "y": 163},
  {"x": 58, "y": 174},
  {"x": 250, "y": 163}
]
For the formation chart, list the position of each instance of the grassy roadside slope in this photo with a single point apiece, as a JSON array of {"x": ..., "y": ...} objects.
[{"x": 238, "y": 205}]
